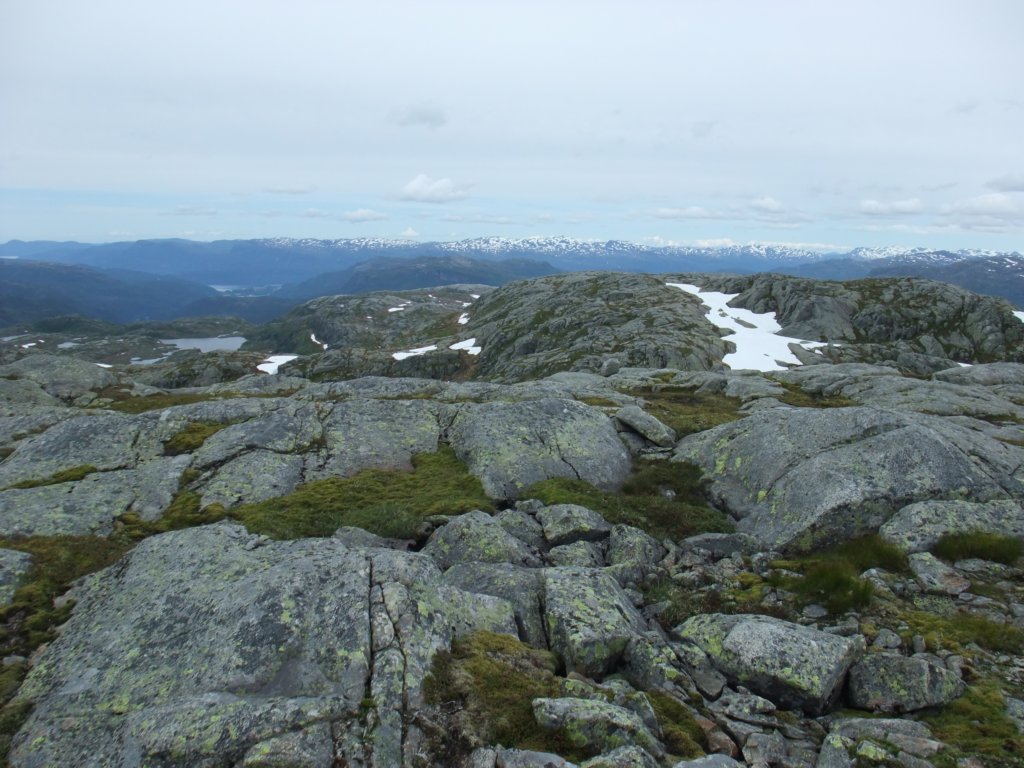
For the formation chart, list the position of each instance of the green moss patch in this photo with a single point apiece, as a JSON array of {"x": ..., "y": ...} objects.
[
  {"x": 387, "y": 502},
  {"x": 800, "y": 399},
  {"x": 663, "y": 498},
  {"x": 686, "y": 410},
  {"x": 961, "y": 629},
  {"x": 191, "y": 437},
  {"x": 64, "y": 476},
  {"x": 987, "y": 546},
  {"x": 682, "y": 737},
  {"x": 976, "y": 724},
  {"x": 161, "y": 401},
  {"x": 485, "y": 689}
]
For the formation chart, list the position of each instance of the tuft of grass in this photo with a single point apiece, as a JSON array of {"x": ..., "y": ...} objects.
[
  {"x": 686, "y": 410},
  {"x": 662, "y": 498},
  {"x": 986, "y": 546},
  {"x": 389, "y": 503},
  {"x": 961, "y": 629},
  {"x": 64, "y": 476},
  {"x": 868, "y": 552},
  {"x": 485, "y": 686},
  {"x": 798, "y": 398},
  {"x": 161, "y": 401},
  {"x": 682, "y": 737},
  {"x": 192, "y": 437},
  {"x": 976, "y": 724}
]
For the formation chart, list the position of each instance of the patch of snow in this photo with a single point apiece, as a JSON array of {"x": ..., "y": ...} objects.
[
  {"x": 965, "y": 365},
  {"x": 272, "y": 363},
  {"x": 1019, "y": 315},
  {"x": 396, "y": 309},
  {"x": 315, "y": 340},
  {"x": 463, "y": 318},
  {"x": 467, "y": 304},
  {"x": 475, "y": 295},
  {"x": 468, "y": 346},
  {"x": 758, "y": 345},
  {"x": 30, "y": 344},
  {"x": 104, "y": 365},
  {"x": 414, "y": 352},
  {"x": 67, "y": 344}
]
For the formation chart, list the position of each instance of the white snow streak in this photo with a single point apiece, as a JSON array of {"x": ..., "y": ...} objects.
[
  {"x": 469, "y": 346},
  {"x": 463, "y": 318},
  {"x": 1019, "y": 315},
  {"x": 272, "y": 363},
  {"x": 315, "y": 340},
  {"x": 758, "y": 345},
  {"x": 414, "y": 352}
]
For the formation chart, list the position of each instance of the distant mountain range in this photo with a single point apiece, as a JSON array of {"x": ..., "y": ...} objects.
[{"x": 161, "y": 279}]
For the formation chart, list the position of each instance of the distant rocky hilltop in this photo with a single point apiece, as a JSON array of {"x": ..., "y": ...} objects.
[{"x": 536, "y": 525}]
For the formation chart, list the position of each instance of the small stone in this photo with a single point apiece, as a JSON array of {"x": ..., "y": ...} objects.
[{"x": 935, "y": 576}]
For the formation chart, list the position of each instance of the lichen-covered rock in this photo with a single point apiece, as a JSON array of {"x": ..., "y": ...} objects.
[
  {"x": 935, "y": 576},
  {"x": 14, "y": 566},
  {"x": 792, "y": 665},
  {"x": 25, "y": 392},
  {"x": 510, "y": 446},
  {"x": 523, "y": 526},
  {"x": 63, "y": 377},
  {"x": 891, "y": 683},
  {"x": 585, "y": 554},
  {"x": 522, "y": 587},
  {"x": 90, "y": 505},
  {"x": 288, "y": 429},
  {"x": 629, "y": 545},
  {"x": 843, "y": 744},
  {"x": 918, "y": 527},
  {"x": 203, "y": 644},
  {"x": 709, "y": 761},
  {"x": 312, "y": 747},
  {"x": 476, "y": 537},
  {"x": 595, "y": 725},
  {"x": 641, "y": 422},
  {"x": 623, "y": 757},
  {"x": 568, "y": 523},
  {"x": 802, "y": 478},
  {"x": 525, "y": 758},
  {"x": 589, "y": 619},
  {"x": 252, "y": 477}
]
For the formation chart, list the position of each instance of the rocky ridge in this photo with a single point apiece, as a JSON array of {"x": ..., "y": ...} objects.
[{"x": 555, "y": 620}]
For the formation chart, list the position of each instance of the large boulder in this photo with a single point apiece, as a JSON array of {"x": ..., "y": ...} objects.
[
  {"x": 476, "y": 537},
  {"x": 208, "y": 646},
  {"x": 595, "y": 725},
  {"x": 589, "y": 619},
  {"x": 792, "y": 665},
  {"x": 891, "y": 683},
  {"x": 61, "y": 376},
  {"x": 570, "y": 523},
  {"x": 918, "y": 527},
  {"x": 510, "y": 446},
  {"x": 801, "y": 478},
  {"x": 522, "y": 587}
]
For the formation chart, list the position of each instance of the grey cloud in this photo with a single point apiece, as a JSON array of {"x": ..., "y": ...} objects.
[
  {"x": 993, "y": 205},
  {"x": 767, "y": 204},
  {"x": 425, "y": 115},
  {"x": 965, "y": 106},
  {"x": 424, "y": 189},
  {"x": 1011, "y": 182},
  {"x": 891, "y": 208}
]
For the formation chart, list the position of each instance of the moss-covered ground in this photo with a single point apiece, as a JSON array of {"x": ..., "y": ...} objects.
[
  {"x": 64, "y": 476},
  {"x": 661, "y": 497},
  {"x": 686, "y": 410},
  {"x": 976, "y": 725}
]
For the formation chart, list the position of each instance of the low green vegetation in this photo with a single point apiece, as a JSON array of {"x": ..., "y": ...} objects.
[
  {"x": 661, "y": 497},
  {"x": 986, "y": 546},
  {"x": 486, "y": 686},
  {"x": 390, "y": 503},
  {"x": 956, "y": 632},
  {"x": 191, "y": 437},
  {"x": 976, "y": 724},
  {"x": 831, "y": 578},
  {"x": 164, "y": 400},
  {"x": 64, "y": 476},
  {"x": 682, "y": 737},
  {"x": 686, "y": 410},
  {"x": 800, "y": 399}
]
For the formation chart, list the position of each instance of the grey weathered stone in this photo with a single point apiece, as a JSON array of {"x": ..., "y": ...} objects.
[
  {"x": 801, "y": 478},
  {"x": 14, "y": 566},
  {"x": 312, "y": 747},
  {"x": 584, "y": 554},
  {"x": 522, "y": 587},
  {"x": 510, "y": 446},
  {"x": 589, "y": 619},
  {"x": 204, "y": 643},
  {"x": 720, "y": 544},
  {"x": 292, "y": 427},
  {"x": 918, "y": 527},
  {"x": 61, "y": 376},
  {"x": 623, "y": 757},
  {"x": 935, "y": 576},
  {"x": 891, "y": 683},
  {"x": 25, "y": 392},
  {"x": 253, "y": 477},
  {"x": 709, "y": 761},
  {"x": 523, "y": 526},
  {"x": 597, "y": 725},
  {"x": 792, "y": 665},
  {"x": 476, "y": 537},
  {"x": 525, "y": 758},
  {"x": 627, "y": 544},
  {"x": 643, "y": 423},
  {"x": 568, "y": 523}
]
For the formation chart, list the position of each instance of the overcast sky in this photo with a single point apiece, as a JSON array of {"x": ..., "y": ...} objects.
[{"x": 831, "y": 123}]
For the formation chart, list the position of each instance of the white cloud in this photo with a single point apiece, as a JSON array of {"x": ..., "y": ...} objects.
[
  {"x": 315, "y": 213},
  {"x": 767, "y": 204},
  {"x": 426, "y": 115},
  {"x": 689, "y": 212},
  {"x": 191, "y": 210},
  {"x": 992, "y": 205},
  {"x": 408, "y": 232},
  {"x": 479, "y": 218},
  {"x": 1011, "y": 182},
  {"x": 360, "y": 215},
  {"x": 892, "y": 208},
  {"x": 424, "y": 189}
]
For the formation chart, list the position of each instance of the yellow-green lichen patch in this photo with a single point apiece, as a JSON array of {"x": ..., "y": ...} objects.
[
  {"x": 664, "y": 498},
  {"x": 683, "y": 738},
  {"x": 389, "y": 503},
  {"x": 485, "y": 689}
]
